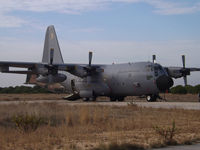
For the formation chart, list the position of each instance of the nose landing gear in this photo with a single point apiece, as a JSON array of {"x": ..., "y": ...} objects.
[
  {"x": 151, "y": 98},
  {"x": 154, "y": 97}
]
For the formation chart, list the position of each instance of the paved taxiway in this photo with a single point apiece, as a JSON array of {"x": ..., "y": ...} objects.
[
  {"x": 178, "y": 105},
  {"x": 184, "y": 147}
]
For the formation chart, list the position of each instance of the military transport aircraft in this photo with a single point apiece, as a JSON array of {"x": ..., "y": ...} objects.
[{"x": 88, "y": 81}]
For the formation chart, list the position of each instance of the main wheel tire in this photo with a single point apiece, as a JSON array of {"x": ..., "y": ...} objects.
[
  {"x": 113, "y": 99},
  {"x": 151, "y": 98},
  {"x": 120, "y": 99},
  {"x": 92, "y": 99},
  {"x": 85, "y": 99}
]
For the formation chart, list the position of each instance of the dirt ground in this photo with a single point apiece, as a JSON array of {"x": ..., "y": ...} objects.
[{"x": 80, "y": 127}]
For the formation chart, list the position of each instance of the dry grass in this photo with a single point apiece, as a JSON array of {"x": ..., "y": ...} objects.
[
  {"x": 86, "y": 127},
  {"x": 31, "y": 97}
]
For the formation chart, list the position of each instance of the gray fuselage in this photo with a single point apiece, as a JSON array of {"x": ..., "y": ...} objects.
[{"x": 130, "y": 79}]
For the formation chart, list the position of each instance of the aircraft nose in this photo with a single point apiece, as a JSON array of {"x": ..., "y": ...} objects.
[{"x": 164, "y": 83}]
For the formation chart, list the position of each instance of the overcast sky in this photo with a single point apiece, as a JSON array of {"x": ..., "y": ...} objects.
[{"x": 115, "y": 30}]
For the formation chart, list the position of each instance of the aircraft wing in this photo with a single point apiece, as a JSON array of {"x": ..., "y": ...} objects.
[
  {"x": 178, "y": 72},
  {"x": 17, "y": 64},
  {"x": 80, "y": 70},
  {"x": 5, "y": 67}
]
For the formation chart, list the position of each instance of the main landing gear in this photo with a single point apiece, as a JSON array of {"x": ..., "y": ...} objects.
[
  {"x": 89, "y": 99},
  {"x": 120, "y": 99}
]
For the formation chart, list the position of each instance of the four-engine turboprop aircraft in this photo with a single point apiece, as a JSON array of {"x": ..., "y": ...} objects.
[{"x": 89, "y": 81}]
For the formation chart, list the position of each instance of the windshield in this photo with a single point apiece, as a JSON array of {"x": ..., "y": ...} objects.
[{"x": 158, "y": 70}]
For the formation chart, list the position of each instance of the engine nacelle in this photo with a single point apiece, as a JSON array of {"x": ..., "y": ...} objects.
[
  {"x": 42, "y": 71},
  {"x": 54, "y": 78},
  {"x": 4, "y": 68},
  {"x": 177, "y": 72},
  {"x": 79, "y": 71}
]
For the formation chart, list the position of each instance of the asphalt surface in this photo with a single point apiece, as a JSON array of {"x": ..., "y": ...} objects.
[
  {"x": 187, "y": 147},
  {"x": 167, "y": 105}
]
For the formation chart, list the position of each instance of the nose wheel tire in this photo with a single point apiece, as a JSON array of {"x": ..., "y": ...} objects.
[{"x": 151, "y": 98}]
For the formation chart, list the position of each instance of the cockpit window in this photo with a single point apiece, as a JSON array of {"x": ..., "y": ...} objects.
[
  {"x": 158, "y": 70},
  {"x": 149, "y": 68}
]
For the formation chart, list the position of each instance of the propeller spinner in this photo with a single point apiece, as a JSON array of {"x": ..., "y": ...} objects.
[
  {"x": 154, "y": 58},
  {"x": 52, "y": 70},
  {"x": 184, "y": 70},
  {"x": 90, "y": 58}
]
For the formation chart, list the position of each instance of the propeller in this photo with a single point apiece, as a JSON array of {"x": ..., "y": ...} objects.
[
  {"x": 91, "y": 69},
  {"x": 184, "y": 76},
  {"x": 154, "y": 58},
  {"x": 90, "y": 58},
  {"x": 183, "y": 60},
  {"x": 52, "y": 70},
  {"x": 184, "y": 70}
]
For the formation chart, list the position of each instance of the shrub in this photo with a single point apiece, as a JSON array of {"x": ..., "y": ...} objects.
[
  {"x": 167, "y": 134},
  {"x": 27, "y": 123},
  {"x": 178, "y": 90},
  {"x": 23, "y": 89},
  {"x": 190, "y": 89},
  {"x": 197, "y": 88}
]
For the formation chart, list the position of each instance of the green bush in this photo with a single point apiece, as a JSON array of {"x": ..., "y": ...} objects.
[
  {"x": 23, "y": 89},
  {"x": 197, "y": 88},
  {"x": 178, "y": 90},
  {"x": 190, "y": 89},
  {"x": 28, "y": 123}
]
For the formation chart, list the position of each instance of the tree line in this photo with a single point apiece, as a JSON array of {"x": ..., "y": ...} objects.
[
  {"x": 23, "y": 89},
  {"x": 179, "y": 89}
]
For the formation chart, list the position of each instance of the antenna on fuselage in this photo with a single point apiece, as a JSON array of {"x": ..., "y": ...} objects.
[{"x": 154, "y": 58}]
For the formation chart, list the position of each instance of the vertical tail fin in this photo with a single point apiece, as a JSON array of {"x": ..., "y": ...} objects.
[{"x": 51, "y": 52}]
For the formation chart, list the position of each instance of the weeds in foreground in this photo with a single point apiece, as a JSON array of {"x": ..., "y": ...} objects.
[
  {"x": 52, "y": 126},
  {"x": 167, "y": 134}
]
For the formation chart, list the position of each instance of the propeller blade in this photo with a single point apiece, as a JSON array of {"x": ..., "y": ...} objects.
[
  {"x": 51, "y": 56},
  {"x": 183, "y": 60},
  {"x": 185, "y": 80},
  {"x": 154, "y": 58},
  {"x": 90, "y": 58}
]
